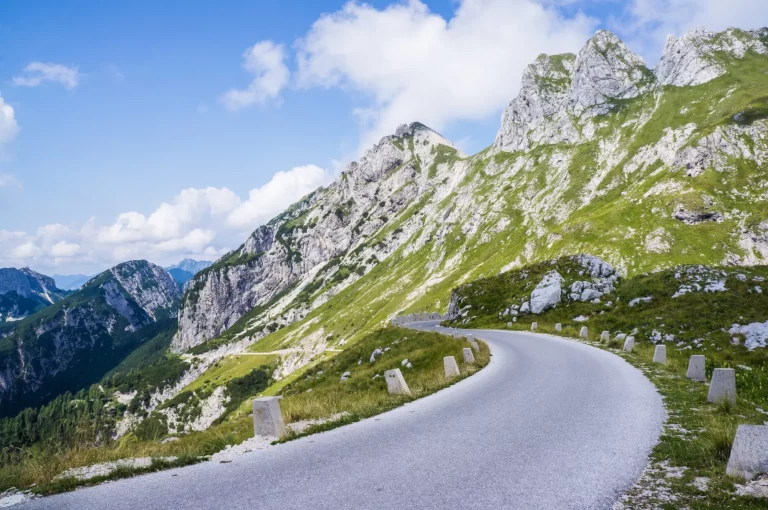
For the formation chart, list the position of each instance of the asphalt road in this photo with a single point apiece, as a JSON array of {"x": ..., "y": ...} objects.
[{"x": 550, "y": 423}]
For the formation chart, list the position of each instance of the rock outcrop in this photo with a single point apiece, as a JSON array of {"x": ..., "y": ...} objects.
[
  {"x": 698, "y": 56},
  {"x": 547, "y": 293},
  {"x": 557, "y": 90}
]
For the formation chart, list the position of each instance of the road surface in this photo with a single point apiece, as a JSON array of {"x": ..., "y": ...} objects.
[{"x": 550, "y": 423}]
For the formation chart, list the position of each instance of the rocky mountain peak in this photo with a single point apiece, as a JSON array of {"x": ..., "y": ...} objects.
[
  {"x": 29, "y": 284},
  {"x": 606, "y": 69},
  {"x": 151, "y": 286},
  {"x": 697, "y": 57},
  {"x": 560, "y": 94},
  {"x": 392, "y": 151},
  {"x": 557, "y": 88}
]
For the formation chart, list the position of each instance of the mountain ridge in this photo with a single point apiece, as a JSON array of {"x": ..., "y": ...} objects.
[
  {"x": 73, "y": 342},
  {"x": 584, "y": 131}
]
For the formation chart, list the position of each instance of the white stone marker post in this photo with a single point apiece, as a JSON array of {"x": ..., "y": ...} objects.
[
  {"x": 629, "y": 344},
  {"x": 696, "y": 368},
  {"x": 468, "y": 356},
  {"x": 267, "y": 417},
  {"x": 722, "y": 386},
  {"x": 534, "y": 326},
  {"x": 605, "y": 336},
  {"x": 558, "y": 327},
  {"x": 396, "y": 384},
  {"x": 660, "y": 354},
  {"x": 749, "y": 453},
  {"x": 475, "y": 345},
  {"x": 451, "y": 367},
  {"x": 584, "y": 333},
  {"x": 509, "y": 324}
]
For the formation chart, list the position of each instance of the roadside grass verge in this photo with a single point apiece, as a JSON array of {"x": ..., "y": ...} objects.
[
  {"x": 36, "y": 467},
  {"x": 321, "y": 393}
]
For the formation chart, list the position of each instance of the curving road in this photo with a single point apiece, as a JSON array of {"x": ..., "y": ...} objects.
[{"x": 550, "y": 424}]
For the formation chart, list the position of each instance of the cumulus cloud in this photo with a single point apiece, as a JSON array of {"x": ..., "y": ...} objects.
[
  {"x": 65, "y": 249},
  {"x": 38, "y": 72},
  {"x": 198, "y": 223},
  {"x": 417, "y": 65},
  {"x": 269, "y": 200},
  {"x": 9, "y": 128},
  {"x": 266, "y": 62},
  {"x": 646, "y": 23}
]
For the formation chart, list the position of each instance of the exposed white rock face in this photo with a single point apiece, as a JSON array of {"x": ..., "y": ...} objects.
[
  {"x": 755, "y": 334},
  {"x": 693, "y": 60},
  {"x": 539, "y": 114},
  {"x": 606, "y": 69},
  {"x": 29, "y": 284},
  {"x": 556, "y": 89},
  {"x": 279, "y": 259},
  {"x": 547, "y": 293},
  {"x": 151, "y": 286}
]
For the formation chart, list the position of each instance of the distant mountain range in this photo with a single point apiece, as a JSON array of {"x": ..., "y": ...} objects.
[
  {"x": 73, "y": 342},
  {"x": 186, "y": 269},
  {"x": 71, "y": 281},
  {"x": 24, "y": 292}
]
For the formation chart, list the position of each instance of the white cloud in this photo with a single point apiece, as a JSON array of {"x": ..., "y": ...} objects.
[
  {"x": 38, "y": 72},
  {"x": 9, "y": 128},
  {"x": 9, "y": 180},
  {"x": 65, "y": 249},
  {"x": 266, "y": 61},
  {"x": 416, "y": 65},
  {"x": 26, "y": 250},
  {"x": 646, "y": 23},
  {"x": 284, "y": 189},
  {"x": 200, "y": 223}
]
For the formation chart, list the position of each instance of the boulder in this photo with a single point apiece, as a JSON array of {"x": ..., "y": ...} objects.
[
  {"x": 589, "y": 295},
  {"x": 547, "y": 293}
]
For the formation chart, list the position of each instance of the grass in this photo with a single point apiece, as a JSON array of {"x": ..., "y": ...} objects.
[
  {"x": 231, "y": 367},
  {"x": 320, "y": 393}
]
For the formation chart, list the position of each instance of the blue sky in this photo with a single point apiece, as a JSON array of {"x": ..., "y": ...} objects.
[{"x": 143, "y": 115}]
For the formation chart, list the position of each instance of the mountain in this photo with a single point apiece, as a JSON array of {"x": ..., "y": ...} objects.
[
  {"x": 186, "y": 269},
  {"x": 24, "y": 292},
  {"x": 71, "y": 281},
  {"x": 191, "y": 266},
  {"x": 645, "y": 168},
  {"x": 75, "y": 341}
]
